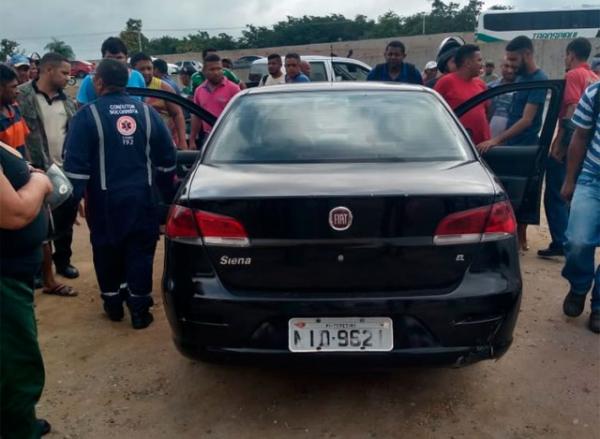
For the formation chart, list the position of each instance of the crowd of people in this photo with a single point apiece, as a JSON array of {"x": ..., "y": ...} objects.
[{"x": 118, "y": 151}]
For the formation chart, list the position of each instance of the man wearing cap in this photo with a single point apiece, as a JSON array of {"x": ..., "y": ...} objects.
[
  {"x": 430, "y": 72},
  {"x": 445, "y": 58},
  {"x": 119, "y": 151},
  {"x": 21, "y": 64}
]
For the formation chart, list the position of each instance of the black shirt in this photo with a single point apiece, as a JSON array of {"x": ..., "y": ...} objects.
[{"x": 21, "y": 250}]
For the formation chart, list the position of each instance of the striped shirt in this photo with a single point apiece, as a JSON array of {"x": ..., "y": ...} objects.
[{"x": 584, "y": 118}]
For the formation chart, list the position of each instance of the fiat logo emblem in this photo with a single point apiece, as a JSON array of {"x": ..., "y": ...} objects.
[{"x": 340, "y": 218}]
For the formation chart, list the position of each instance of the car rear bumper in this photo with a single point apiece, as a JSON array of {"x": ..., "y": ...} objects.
[{"x": 458, "y": 328}]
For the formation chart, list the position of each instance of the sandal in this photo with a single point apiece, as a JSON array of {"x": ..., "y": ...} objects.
[{"x": 61, "y": 290}]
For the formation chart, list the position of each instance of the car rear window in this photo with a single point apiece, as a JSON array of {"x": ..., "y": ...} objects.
[{"x": 337, "y": 126}]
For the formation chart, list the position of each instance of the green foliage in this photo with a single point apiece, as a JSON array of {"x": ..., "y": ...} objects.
[
  {"x": 8, "y": 48},
  {"x": 444, "y": 17},
  {"x": 58, "y": 46},
  {"x": 133, "y": 37}
]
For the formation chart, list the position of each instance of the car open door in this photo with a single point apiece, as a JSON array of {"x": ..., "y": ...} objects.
[
  {"x": 521, "y": 167},
  {"x": 185, "y": 158}
]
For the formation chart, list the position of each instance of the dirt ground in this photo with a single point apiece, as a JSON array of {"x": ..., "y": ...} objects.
[{"x": 105, "y": 380}]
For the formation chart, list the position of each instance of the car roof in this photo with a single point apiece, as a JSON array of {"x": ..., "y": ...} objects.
[
  {"x": 317, "y": 58},
  {"x": 338, "y": 86}
]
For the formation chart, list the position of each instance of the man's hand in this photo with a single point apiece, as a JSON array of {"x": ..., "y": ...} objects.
[
  {"x": 558, "y": 153},
  {"x": 567, "y": 190},
  {"x": 484, "y": 147}
]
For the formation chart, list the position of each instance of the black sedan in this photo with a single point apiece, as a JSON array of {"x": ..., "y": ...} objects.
[{"x": 351, "y": 222}]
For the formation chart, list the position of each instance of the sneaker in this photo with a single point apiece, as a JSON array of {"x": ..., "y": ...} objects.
[
  {"x": 67, "y": 271},
  {"x": 141, "y": 320},
  {"x": 114, "y": 312},
  {"x": 574, "y": 304},
  {"x": 594, "y": 323},
  {"x": 44, "y": 426},
  {"x": 551, "y": 252}
]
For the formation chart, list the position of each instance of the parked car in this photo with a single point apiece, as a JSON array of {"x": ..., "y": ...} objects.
[
  {"x": 79, "y": 69},
  {"x": 323, "y": 68},
  {"x": 373, "y": 232},
  {"x": 196, "y": 65},
  {"x": 245, "y": 61}
]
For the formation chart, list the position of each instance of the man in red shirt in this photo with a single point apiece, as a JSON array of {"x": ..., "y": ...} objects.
[
  {"x": 213, "y": 95},
  {"x": 578, "y": 77},
  {"x": 462, "y": 85}
]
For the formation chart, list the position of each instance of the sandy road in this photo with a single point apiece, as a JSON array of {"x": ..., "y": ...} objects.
[{"x": 105, "y": 380}]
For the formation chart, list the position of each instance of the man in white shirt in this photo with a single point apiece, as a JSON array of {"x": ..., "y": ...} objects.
[
  {"x": 47, "y": 111},
  {"x": 275, "y": 75}
]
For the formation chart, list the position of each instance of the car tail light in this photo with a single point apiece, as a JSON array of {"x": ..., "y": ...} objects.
[
  {"x": 488, "y": 223},
  {"x": 221, "y": 230},
  {"x": 181, "y": 223},
  {"x": 214, "y": 229}
]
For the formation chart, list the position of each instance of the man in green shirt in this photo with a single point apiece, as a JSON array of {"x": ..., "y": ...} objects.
[{"x": 198, "y": 77}]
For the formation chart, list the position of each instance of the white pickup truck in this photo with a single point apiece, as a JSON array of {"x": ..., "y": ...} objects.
[{"x": 323, "y": 68}]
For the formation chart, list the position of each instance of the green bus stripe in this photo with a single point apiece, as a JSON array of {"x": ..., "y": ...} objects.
[{"x": 486, "y": 38}]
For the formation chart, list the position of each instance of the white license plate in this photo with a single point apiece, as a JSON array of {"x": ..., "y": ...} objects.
[{"x": 341, "y": 334}]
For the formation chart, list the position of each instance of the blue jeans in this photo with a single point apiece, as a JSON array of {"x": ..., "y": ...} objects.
[
  {"x": 583, "y": 236},
  {"x": 557, "y": 211}
]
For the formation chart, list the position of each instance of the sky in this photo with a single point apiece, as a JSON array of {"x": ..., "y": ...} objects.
[{"x": 84, "y": 24}]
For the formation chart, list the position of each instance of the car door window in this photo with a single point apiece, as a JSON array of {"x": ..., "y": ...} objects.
[
  {"x": 520, "y": 161},
  {"x": 318, "y": 72},
  {"x": 349, "y": 72}
]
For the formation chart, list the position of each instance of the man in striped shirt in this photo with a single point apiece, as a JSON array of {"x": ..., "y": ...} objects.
[{"x": 582, "y": 189}]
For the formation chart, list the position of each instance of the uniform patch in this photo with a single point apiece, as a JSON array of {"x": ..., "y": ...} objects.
[{"x": 126, "y": 125}]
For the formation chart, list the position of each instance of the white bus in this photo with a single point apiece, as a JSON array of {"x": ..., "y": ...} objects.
[{"x": 538, "y": 25}]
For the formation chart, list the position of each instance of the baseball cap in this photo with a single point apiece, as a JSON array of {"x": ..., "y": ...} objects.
[
  {"x": 19, "y": 60},
  {"x": 431, "y": 65}
]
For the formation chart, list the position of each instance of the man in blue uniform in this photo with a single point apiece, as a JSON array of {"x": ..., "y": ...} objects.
[{"x": 118, "y": 150}]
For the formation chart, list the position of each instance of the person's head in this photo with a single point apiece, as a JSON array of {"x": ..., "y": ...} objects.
[
  {"x": 143, "y": 64},
  {"x": 114, "y": 48},
  {"x": 8, "y": 85},
  {"x": 111, "y": 77},
  {"x": 274, "y": 64},
  {"x": 468, "y": 60},
  {"x": 508, "y": 73},
  {"x": 489, "y": 67},
  {"x": 213, "y": 69},
  {"x": 395, "y": 52},
  {"x": 446, "y": 53},
  {"x": 292, "y": 64},
  {"x": 430, "y": 70},
  {"x": 185, "y": 75},
  {"x": 519, "y": 54},
  {"x": 55, "y": 70},
  {"x": 34, "y": 63},
  {"x": 305, "y": 68},
  {"x": 161, "y": 68},
  {"x": 595, "y": 64},
  {"x": 208, "y": 51},
  {"x": 227, "y": 63},
  {"x": 578, "y": 51},
  {"x": 21, "y": 65}
]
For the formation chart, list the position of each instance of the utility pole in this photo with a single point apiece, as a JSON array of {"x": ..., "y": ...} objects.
[
  {"x": 139, "y": 35},
  {"x": 424, "y": 15}
]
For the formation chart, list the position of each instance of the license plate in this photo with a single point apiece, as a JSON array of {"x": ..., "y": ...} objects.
[{"x": 341, "y": 334}]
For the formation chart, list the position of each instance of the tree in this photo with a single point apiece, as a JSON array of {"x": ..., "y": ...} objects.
[
  {"x": 7, "y": 48},
  {"x": 133, "y": 37},
  {"x": 58, "y": 46}
]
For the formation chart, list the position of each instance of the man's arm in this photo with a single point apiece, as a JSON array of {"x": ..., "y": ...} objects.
[
  {"x": 19, "y": 208},
  {"x": 177, "y": 115},
  {"x": 522, "y": 124},
  {"x": 77, "y": 150},
  {"x": 195, "y": 128},
  {"x": 86, "y": 92},
  {"x": 163, "y": 155},
  {"x": 575, "y": 157}
]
